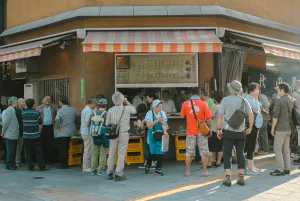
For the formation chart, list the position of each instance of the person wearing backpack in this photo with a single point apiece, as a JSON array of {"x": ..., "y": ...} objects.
[
  {"x": 231, "y": 127},
  {"x": 100, "y": 143}
]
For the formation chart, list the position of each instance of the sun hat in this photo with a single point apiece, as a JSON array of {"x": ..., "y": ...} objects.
[
  {"x": 235, "y": 87},
  {"x": 103, "y": 101}
]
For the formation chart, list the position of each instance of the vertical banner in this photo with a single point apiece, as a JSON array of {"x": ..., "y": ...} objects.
[{"x": 82, "y": 88}]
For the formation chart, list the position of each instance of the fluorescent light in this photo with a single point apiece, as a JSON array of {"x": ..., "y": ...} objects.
[{"x": 270, "y": 64}]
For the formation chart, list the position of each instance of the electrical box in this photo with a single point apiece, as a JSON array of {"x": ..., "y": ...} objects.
[{"x": 32, "y": 91}]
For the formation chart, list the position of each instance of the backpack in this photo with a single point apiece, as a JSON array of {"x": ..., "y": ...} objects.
[{"x": 97, "y": 127}]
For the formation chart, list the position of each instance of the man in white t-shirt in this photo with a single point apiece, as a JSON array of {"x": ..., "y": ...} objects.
[
  {"x": 168, "y": 104},
  {"x": 140, "y": 98}
]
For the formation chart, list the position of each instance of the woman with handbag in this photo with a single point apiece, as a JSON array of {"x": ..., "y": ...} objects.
[{"x": 156, "y": 122}]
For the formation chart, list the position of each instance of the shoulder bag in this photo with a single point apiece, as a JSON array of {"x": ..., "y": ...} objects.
[
  {"x": 238, "y": 117},
  {"x": 157, "y": 133},
  {"x": 112, "y": 131},
  {"x": 295, "y": 115},
  {"x": 201, "y": 124}
]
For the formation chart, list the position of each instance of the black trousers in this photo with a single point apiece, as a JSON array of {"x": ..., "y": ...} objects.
[
  {"x": 251, "y": 143},
  {"x": 11, "y": 150},
  {"x": 62, "y": 144},
  {"x": 236, "y": 139},
  {"x": 155, "y": 157},
  {"x": 47, "y": 137},
  {"x": 34, "y": 146}
]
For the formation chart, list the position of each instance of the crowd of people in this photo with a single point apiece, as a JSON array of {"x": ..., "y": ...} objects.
[{"x": 237, "y": 124}]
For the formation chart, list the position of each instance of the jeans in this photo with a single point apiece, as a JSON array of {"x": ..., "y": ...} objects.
[
  {"x": 263, "y": 137},
  {"x": 237, "y": 139},
  {"x": 19, "y": 150},
  {"x": 11, "y": 149},
  {"x": 34, "y": 146}
]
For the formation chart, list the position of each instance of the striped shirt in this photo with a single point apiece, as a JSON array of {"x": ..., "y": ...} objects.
[
  {"x": 114, "y": 115},
  {"x": 31, "y": 123}
]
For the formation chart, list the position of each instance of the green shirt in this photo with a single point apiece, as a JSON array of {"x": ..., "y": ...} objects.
[{"x": 210, "y": 103}]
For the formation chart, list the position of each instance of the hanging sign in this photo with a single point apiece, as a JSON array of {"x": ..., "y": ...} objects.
[{"x": 262, "y": 80}]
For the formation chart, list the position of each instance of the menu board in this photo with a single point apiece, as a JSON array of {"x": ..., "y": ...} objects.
[{"x": 158, "y": 69}]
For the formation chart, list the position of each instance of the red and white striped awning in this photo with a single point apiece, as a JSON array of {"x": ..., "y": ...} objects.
[
  {"x": 25, "y": 50},
  {"x": 276, "y": 48},
  {"x": 152, "y": 41}
]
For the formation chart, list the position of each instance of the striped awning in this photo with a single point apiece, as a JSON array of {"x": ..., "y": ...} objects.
[
  {"x": 152, "y": 41},
  {"x": 276, "y": 48},
  {"x": 25, "y": 50}
]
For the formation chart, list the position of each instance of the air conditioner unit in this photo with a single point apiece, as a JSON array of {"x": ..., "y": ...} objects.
[
  {"x": 32, "y": 91},
  {"x": 27, "y": 65}
]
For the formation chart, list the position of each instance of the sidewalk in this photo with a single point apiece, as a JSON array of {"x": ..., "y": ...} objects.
[{"x": 72, "y": 184}]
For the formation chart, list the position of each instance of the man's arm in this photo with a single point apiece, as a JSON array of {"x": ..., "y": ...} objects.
[
  {"x": 6, "y": 119},
  {"x": 276, "y": 114},
  {"x": 58, "y": 119},
  {"x": 173, "y": 107},
  {"x": 130, "y": 107}
]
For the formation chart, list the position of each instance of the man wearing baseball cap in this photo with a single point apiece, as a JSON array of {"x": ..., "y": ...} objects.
[{"x": 234, "y": 136}]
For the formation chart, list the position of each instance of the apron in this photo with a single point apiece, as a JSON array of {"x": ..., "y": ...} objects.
[{"x": 155, "y": 146}]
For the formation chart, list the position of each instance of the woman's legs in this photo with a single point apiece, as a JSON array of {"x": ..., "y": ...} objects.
[{"x": 250, "y": 147}]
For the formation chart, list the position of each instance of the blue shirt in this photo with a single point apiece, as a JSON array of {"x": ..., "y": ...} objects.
[
  {"x": 47, "y": 116},
  {"x": 86, "y": 114},
  {"x": 255, "y": 106}
]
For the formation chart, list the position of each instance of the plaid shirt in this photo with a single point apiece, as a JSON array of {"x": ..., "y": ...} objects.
[{"x": 31, "y": 123}]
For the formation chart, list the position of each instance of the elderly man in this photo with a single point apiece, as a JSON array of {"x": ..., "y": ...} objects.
[
  {"x": 19, "y": 110},
  {"x": 65, "y": 129},
  {"x": 48, "y": 113},
  {"x": 119, "y": 114},
  {"x": 84, "y": 131},
  {"x": 10, "y": 132}
]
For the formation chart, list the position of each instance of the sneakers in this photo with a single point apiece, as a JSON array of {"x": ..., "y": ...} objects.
[
  {"x": 287, "y": 172},
  {"x": 158, "y": 172},
  {"x": 241, "y": 180},
  {"x": 217, "y": 165},
  {"x": 252, "y": 172},
  {"x": 120, "y": 178},
  {"x": 227, "y": 181},
  {"x": 93, "y": 173},
  {"x": 296, "y": 162},
  {"x": 277, "y": 173},
  {"x": 147, "y": 170},
  {"x": 86, "y": 170},
  {"x": 102, "y": 172},
  {"x": 110, "y": 176}
]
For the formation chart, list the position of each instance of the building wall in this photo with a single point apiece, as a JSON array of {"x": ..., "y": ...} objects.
[
  {"x": 206, "y": 68},
  {"x": 258, "y": 61},
  {"x": 70, "y": 62},
  {"x": 37, "y": 9}
]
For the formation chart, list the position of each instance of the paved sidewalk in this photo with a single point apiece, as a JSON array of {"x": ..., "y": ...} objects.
[{"x": 72, "y": 184}]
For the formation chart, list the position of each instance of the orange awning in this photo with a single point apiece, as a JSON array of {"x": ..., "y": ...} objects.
[{"x": 152, "y": 41}]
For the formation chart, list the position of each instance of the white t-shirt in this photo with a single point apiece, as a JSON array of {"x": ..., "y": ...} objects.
[
  {"x": 169, "y": 106},
  {"x": 138, "y": 100}
]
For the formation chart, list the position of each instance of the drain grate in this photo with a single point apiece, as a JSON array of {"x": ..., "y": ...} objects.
[{"x": 38, "y": 177}]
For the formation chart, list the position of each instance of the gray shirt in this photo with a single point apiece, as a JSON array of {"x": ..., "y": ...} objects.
[
  {"x": 281, "y": 110},
  {"x": 215, "y": 113},
  {"x": 263, "y": 99},
  {"x": 114, "y": 115},
  {"x": 228, "y": 106},
  {"x": 85, "y": 116}
]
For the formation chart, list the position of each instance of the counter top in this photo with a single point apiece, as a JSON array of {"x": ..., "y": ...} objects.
[{"x": 169, "y": 117}]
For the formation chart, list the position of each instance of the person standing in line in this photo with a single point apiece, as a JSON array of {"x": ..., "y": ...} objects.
[
  {"x": 10, "y": 132},
  {"x": 48, "y": 113},
  {"x": 251, "y": 139},
  {"x": 65, "y": 129},
  {"x": 22, "y": 107},
  {"x": 84, "y": 131},
  {"x": 120, "y": 144},
  {"x": 214, "y": 143},
  {"x": 32, "y": 136},
  {"x": 296, "y": 95},
  {"x": 234, "y": 136},
  {"x": 281, "y": 129},
  {"x": 263, "y": 132},
  {"x": 156, "y": 121},
  {"x": 194, "y": 137},
  {"x": 100, "y": 143}
]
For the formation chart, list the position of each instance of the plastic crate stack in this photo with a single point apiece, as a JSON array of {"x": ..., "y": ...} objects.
[
  {"x": 135, "y": 151},
  {"x": 75, "y": 150}
]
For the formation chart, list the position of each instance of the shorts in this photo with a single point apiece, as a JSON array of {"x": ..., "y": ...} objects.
[
  {"x": 197, "y": 140},
  {"x": 214, "y": 143}
]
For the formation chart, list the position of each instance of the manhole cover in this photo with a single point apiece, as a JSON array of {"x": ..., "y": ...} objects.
[{"x": 38, "y": 177}]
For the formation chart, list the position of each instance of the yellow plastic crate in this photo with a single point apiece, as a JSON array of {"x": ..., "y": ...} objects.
[
  {"x": 74, "y": 159},
  {"x": 135, "y": 145},
  {"x": 180, "y": 142},
  {"x": 134, "y": 157},
  {"x": 76, "y": 146}
]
